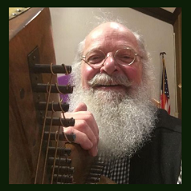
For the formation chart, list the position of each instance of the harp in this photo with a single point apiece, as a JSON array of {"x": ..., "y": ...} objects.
[{"x": 39, "y": 153}]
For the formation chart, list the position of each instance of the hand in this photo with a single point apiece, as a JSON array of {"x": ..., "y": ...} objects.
[{"x": 85, "y": 129}]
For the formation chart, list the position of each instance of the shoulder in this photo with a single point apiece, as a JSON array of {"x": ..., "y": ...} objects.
[
  {"x": 167, "y": 136},
  {"x": 167, "y": 122},
  {"x": 158, "y": 161}
]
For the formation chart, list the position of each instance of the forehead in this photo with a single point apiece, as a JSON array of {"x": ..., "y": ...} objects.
[{"x": 109, "y": 37}]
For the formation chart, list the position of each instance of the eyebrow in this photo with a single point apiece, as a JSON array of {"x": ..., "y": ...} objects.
[
  {"x": 94, "y": 48},
  {"x": 101, "y": 48}
]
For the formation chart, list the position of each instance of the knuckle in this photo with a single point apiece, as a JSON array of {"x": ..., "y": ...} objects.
[
  {"x": 68, "y": 130},
  {"x": 82, "y": 125},
  {"x": 94, "y": 141},
  {"x": 89, "y": 115},
  {"x": 86, "y": 143}
]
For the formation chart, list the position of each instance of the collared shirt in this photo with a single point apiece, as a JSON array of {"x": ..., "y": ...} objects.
[
  {"x": 119, "y": 170},
  {"x": 157, "y": 162}
]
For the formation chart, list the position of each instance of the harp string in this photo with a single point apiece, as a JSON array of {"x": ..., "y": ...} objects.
[
  {"x": 63, "y": 116},
  {"x": 44, "y": 123},
  {"x": 55, "y": 154},
  {"x": 57, "y": 157},
  {"x": 43, "y": 129},
  {"x": 58, "y": 131},
  {"x": 48, "y": 142},
  {"x": 66, "y": 70},
  {"x": 61, "y": 122},
  {"x": 61, "y": 107}
]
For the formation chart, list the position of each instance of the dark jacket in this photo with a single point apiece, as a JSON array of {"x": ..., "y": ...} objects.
[{"x": 158, "y": 162}]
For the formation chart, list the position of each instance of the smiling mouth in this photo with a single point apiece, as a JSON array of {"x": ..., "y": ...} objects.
[
  {"x": 109, "y": 86},
  {"x": 100, "y": 85}
]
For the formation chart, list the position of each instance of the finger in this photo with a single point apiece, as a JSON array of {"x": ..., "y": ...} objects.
[
  {"x": 81, "y": 113},
  {"x": 83, "y": 134},
  {"x": 86, "y": 116},
  {"x": 93, "y": 151},
  {"x": 80, "y": 138},
  {"x": 81, "y": 107}
]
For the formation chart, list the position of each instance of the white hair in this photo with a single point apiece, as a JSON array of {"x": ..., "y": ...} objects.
[
  {"x": 123, "y": 120},
  {"x": 147, "y": 78}
]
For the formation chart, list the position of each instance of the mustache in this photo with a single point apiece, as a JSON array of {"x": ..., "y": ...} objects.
[{"x": 103, "y": 79}]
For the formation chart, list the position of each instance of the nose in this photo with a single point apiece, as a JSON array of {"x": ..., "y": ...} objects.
[{"x": 109, "y": 65}]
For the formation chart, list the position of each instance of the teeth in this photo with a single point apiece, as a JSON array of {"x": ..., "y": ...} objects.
[{"x": 108, "y": 84}]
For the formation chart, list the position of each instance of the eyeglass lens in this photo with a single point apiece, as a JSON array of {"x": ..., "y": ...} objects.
[{"x": 122, "y": 56}]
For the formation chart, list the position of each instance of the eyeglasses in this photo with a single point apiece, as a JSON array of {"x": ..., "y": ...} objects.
[{"x": 96, "y": 58}]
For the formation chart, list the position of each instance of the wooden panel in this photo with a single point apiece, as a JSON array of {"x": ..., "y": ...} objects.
[
  {"x": 160, "y": 13},
  {"x": 178, "y": 44},
  {"x": 30, "y": 30},
  {"x": 26, "y": 31}
]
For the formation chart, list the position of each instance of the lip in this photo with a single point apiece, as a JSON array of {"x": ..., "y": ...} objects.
[{"x": 110, "y": 87}]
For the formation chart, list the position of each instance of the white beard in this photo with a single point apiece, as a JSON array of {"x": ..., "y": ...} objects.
[{"x": 125, "y": 120}]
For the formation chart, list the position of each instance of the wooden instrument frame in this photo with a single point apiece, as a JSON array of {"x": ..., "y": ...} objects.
[
  {"x": 31, "y": 43},
  {"x": 25, "y": 33}
]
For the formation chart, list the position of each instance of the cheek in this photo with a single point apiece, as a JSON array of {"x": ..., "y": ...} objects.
[
  {"x": 134, "y": 74},
  {"x": 87, "y": 74}
]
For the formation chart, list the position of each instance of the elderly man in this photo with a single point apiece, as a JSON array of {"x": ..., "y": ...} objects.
[{"x": 115, "y": 117}]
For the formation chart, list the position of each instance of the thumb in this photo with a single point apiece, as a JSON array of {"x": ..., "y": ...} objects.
[{"x": 81, "y": 107}]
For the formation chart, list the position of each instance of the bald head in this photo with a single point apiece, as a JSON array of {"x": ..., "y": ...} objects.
[
  {"x": 112, "y": 89},
  {"x": 108, "y": 38},
  {"x": 112, "y": 34}
]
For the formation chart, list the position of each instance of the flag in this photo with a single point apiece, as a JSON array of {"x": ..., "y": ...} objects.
[{"x": 164, "y": 97}]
